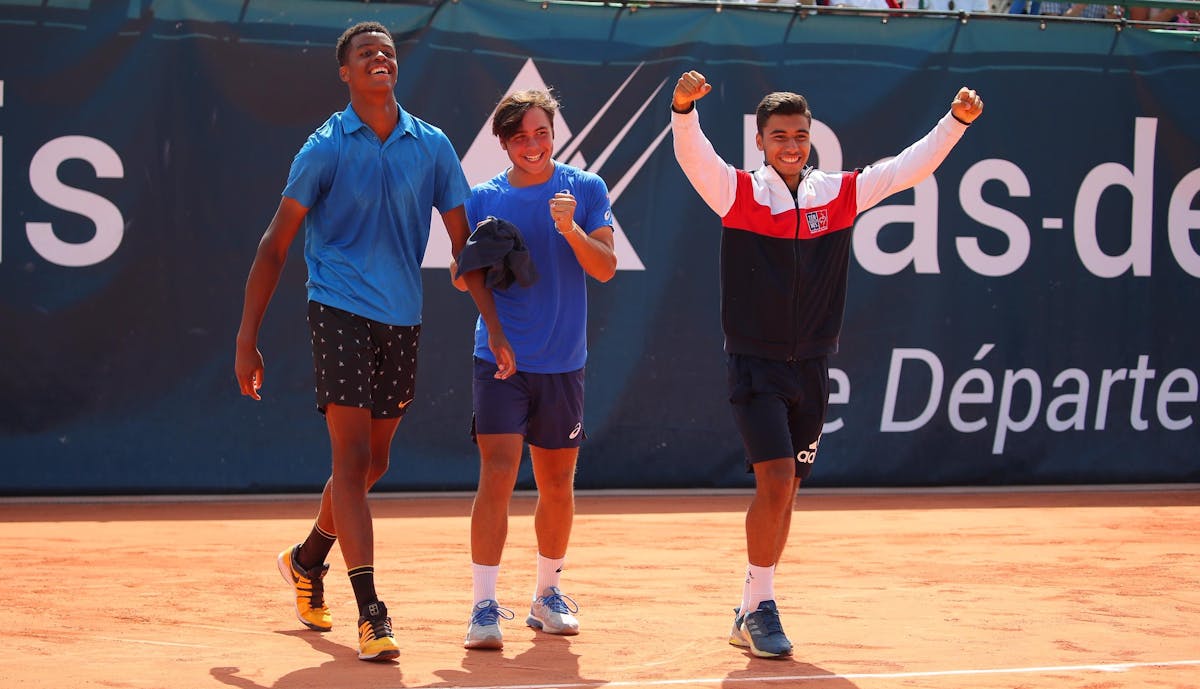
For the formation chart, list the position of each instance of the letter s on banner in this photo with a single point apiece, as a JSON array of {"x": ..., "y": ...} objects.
[
  {"x": 970, "y": 195},
  {"x": 43, "y": 177}
]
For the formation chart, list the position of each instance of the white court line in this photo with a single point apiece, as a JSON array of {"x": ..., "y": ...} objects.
[
  {"x": 148, "y": 642},
  {"x": 726, "y": 681},
  {"x": 220, "y": 628}
]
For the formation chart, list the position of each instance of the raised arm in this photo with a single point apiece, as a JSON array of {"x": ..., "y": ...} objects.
[
  {"x": 712, "y": 177},
  {"x": 919, "y": 160},
  {"x": 594, "y": 250}
]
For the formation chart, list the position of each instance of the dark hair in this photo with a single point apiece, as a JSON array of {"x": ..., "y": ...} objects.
[
  {"x": 343, "y": 42},
  {"x": 513, "y": 107},
  {"x": 781, "y": 103}
]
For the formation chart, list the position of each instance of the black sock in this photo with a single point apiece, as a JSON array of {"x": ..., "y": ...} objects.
[
  {"x": 362, "y": 579},
  {"x": 315, "y": 548}
]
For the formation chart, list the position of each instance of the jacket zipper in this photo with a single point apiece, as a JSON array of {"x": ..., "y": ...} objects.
[{"x": 795, "y": 281}]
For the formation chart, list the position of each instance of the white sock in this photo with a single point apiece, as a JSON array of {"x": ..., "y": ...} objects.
[
  {"x": 742, "y": 610},
  {"x": 484, "y": 581},
  {"x": 548, "y": 573},
  {"x": 761, "y": 584}
]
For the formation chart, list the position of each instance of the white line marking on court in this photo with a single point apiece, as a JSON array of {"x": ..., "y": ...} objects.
[
  {"x": 725, "y": 681},
  {"x": 149, "y": 642},
  {"x": 213, "y": 627}
]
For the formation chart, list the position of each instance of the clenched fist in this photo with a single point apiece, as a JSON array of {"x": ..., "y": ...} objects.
[
  {"x": 691, "y": 87},
  {"x": 967, "y": 105}
]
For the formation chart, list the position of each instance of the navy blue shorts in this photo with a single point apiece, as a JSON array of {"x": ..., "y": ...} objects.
[
  {"x": 545, "y": 408},
  {"x": 362, "y": 363},
  {"x": 779, "y": 407}
]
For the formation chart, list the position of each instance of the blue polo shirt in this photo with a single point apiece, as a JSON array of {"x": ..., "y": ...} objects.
[
  {"x": 369, "y": 206},
  {"x": 546, "y": 323}
]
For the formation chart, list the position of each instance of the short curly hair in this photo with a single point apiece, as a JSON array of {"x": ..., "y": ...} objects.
[{"x": 343, "y": 42}]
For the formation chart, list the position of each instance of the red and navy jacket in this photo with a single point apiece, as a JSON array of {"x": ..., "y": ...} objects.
[{"x": 785, "y": 257}]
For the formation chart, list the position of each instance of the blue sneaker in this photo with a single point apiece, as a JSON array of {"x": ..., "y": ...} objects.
[
  {"x": 483, "y": 631},
  {"x": 736, "y": 637},
  {"x": 553, "y": 613},
  {"x": 764, "y": 632}
]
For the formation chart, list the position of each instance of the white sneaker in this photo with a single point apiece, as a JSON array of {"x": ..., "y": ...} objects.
[
  {"x": 483, "y": 631},
  {"x": 553, "y": 612}
]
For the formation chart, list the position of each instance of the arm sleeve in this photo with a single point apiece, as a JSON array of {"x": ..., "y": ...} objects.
[
  {"x": 599, "y": 206},
  {"x": 452, "y": 188},
  {"x": 911, "y": 166},
  {"x": 312, "y": 171},
  {"x": 713, "y": 178},
  {"x": 471, "y": 206}
]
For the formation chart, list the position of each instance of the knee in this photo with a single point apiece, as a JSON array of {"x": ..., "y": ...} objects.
[
  {"x": 496, "y": 472},
  {"x": 559, "y": 486},
  {"x": 379, "y": 467},
  {"x": 352, "y": 460},
  {"x": 775, "y": 485}
]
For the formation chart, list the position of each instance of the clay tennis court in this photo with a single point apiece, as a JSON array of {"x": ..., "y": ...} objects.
[{"x": 1037, "y": 590}]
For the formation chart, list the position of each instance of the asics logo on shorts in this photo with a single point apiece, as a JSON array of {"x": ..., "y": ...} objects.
[{"x": 575, "y": 431}]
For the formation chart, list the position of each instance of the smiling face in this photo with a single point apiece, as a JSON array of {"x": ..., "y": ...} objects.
[
  {"x": 784, "y": 141},
  {"x": 529, "y": 147},
  {"x": 370, "y": 63}
]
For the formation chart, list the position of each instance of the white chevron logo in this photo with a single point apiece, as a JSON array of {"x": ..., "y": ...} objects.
[{"x": 485, "y": 158}]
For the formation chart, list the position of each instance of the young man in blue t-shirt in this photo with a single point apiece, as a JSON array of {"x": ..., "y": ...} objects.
[
  {"x": 565, "y": 220},
  {"x": 362, "y": 186}
]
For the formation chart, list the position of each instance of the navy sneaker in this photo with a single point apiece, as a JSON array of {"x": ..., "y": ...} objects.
[
  {"x": 764, "y": 632},
  {"x": 736, "y": 637}
]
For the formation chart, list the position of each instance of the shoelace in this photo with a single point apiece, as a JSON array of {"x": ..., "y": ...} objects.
[
  {"x": 380, "y": 627},
  {"x": 559, "y": 603},
  {"x": 490, "y": 614},
  {"x": 316, "y": 585},
  {"x": 765, "y": 620}
]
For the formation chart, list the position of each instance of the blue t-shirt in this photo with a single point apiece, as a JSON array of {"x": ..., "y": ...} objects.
[
  {"x": 546, "y": 323},
  {"x": 370, "y": 203}
]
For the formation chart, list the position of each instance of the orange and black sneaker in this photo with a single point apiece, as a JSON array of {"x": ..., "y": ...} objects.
[
  {"x": 375, "y": 638},
  {"x": 309, "y": 587}
]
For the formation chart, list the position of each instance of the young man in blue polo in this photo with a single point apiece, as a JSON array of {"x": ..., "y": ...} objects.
[
  {"x": 363, "y": 187},
  {"x": 785, "y": 254},
  {"x": 564, "y": 217}
]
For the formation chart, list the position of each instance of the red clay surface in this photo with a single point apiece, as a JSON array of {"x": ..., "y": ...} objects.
[{"x": 1042, "y": 590}]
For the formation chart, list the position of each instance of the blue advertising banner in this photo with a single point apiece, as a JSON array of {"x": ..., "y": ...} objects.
[{"x": 1027, "y": 315}]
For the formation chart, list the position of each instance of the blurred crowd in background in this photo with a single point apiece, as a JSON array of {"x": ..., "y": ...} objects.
[{"x": 1186, "y": 19}]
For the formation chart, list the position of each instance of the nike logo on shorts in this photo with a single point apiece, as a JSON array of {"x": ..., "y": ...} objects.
[{"x": 405, "y": 403}]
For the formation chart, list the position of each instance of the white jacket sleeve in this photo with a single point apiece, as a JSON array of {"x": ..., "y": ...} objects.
[
  {"x": 713, "y": 178},
  {"x": 911, "y": 166}
]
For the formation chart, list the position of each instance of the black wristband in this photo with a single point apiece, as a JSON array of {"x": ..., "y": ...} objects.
[
  {"x": 691, "y": 107},
  {"x": 968, "y": 124}
]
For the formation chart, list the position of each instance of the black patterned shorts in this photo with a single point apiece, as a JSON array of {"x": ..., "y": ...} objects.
[{"x": 362, "y": 363}]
